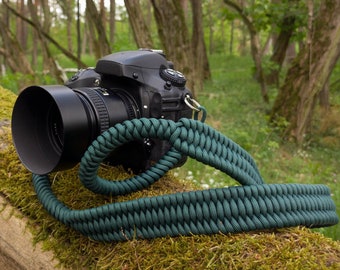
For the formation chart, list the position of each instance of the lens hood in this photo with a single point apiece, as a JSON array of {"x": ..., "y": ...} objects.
[{"x": 49, "y": 128}]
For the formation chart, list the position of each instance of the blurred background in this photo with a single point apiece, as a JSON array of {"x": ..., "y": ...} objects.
[{"x": 267, "y": 71}]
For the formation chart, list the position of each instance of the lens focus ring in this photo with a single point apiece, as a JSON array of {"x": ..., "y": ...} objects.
[{"x": 98, "y": 103}]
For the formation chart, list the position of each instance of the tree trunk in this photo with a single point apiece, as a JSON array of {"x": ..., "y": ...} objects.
[
  {"x": 231, "y": 42},
  {"x": 255, "y": 48},
  {"x": 290, "y": 53},
  {"x": 242, "y": 41},
  {"x": 49, "y": 62},
  {"x": 47, "y": 15},
  {"x": 21, "y": 26},
  {"x": 12, "y": 51},
  {"x": 69, "y": 34},
  {"x": 257, "y": 57},
  {"x": 86, "y": 45},
  {"x": 141, "y": 32},
  {"x": 93, "y": 46},
  {"x": 34, "y": 61},
  {"x": 101, "y": 43},
  {"x": 280, "y": 48},
  {"x": 174, "y": 36},
  {"x": 46, "y": 35},
  {"x": 43, "y": 18},
  {"x": 102, "y": 13},
  {"x": 112, "y": 21},
  {"x": 324, "y": 97},
  {"x": 79, "y": 52},
  {"x": 211, "y": 28},
  {"x": 67, "y": 7},
  {"x": 309, "y": 73},
  {"x": 198, "y": 44}
]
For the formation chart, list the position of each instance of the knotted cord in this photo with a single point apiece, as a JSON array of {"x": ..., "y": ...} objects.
[{"x": 252, "y": 206}]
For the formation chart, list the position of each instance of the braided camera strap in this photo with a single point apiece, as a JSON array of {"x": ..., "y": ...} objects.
[{"x": 252, "y": 206}]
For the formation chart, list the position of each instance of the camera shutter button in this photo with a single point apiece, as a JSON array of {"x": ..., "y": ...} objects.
[{"x": 175, "y": 77}]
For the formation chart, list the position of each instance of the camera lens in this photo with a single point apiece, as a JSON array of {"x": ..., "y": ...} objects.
[{"x": 52, "y": 126}]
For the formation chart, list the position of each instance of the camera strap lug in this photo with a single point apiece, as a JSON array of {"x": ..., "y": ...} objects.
[{"x": 196, "y": 107}]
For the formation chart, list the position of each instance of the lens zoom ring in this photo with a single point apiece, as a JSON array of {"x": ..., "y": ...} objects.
[{"x": 104, "y": 120}]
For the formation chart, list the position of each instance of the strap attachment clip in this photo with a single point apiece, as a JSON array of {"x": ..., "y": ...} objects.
[{"x": 196, "y": 107}]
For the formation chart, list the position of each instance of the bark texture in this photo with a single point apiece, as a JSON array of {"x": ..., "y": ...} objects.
[
  {"x": 138, "y": 24},
  {"x": 309, "y": 73}
]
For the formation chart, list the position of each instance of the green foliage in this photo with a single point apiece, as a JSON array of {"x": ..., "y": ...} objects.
[
  {"x": 18, "y": 81},
  {"x": 296, "y": 248},
  {"x": 268, "y": 14},
  {"x": 269, "y": 66},
  {"x": 235, "y": 108},
  {"x": 13, "y": 81},
  {"x": 260, "y": 11},
  {"x": 124, "y": 40},
  {"x": 334, "y": 84}
]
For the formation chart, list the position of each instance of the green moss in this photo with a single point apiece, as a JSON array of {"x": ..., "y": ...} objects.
[
  {"x": 7, "y": 101},
  {"x": 296, "y": 248}
]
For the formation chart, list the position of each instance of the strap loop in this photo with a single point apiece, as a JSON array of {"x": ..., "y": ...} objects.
[
  {"x": 196, "y": 107},
  {"x": 192, "y": 103}
]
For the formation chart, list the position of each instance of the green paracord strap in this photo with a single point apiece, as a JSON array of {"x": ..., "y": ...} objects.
[{"x": 252, "y": 206}]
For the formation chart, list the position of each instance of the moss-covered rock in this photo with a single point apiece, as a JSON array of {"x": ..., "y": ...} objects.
[
  {"x": 7, "y": 100},
  {"x": 295, "y": 248}
]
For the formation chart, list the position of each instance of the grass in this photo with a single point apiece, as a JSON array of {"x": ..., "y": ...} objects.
[
  {"x": 235, "y": 108},
  {"x": 233, "y": 101},
  {"x": 294, "y": 248}
]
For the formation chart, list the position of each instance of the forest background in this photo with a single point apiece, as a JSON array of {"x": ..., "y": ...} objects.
[{"x": 266, "y": 71}]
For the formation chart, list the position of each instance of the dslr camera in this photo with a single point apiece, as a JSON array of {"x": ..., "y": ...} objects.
[{"x": 52, "y": 126}]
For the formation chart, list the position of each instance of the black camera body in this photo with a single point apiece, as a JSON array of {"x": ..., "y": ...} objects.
[{"x": 52, "y": 126}]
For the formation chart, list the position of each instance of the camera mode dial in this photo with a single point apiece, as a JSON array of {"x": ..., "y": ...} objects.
[{"x": 175, "y": 77}]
